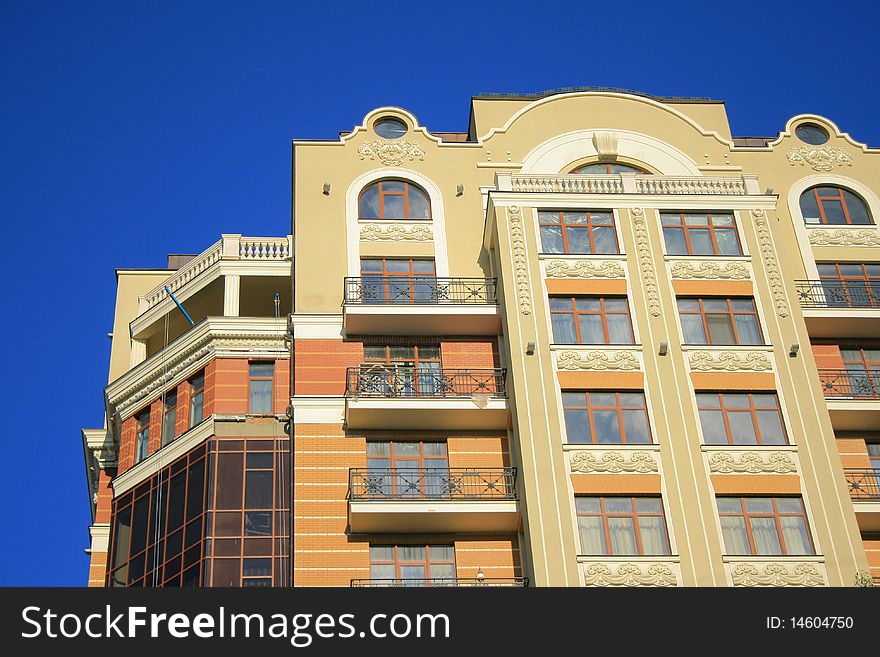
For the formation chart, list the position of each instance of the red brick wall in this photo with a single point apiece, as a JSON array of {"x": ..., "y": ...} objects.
[{"x": 827, "y": 356}]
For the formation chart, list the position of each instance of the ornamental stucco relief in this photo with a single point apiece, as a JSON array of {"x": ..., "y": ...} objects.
[{"x": 597, "y": 360}]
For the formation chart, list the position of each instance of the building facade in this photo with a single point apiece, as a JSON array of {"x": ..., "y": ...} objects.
[{"x": 594, "y": 340}]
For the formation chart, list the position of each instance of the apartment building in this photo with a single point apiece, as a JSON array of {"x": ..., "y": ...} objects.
[{"x": 594, "y": 340}]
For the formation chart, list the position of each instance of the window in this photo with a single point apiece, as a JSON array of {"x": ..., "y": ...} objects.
[
  {"x": 142, "y": 440},
  {"x": 862, "y": 365},
  {"x": 390, "y": 128},
  {"x": 394, "y": 199},
  {"x": 169, "y": 417},
  {"x": 590, "y": 320},
  {"x": 606, "y": 417},
  {"x": 621, "y": 526},
  {"x": 421, "y": 468},
  {"x": 398, "y": 280},
  {"x": 577, "y": 232},
  {"x": 700, "y": 233},
  {"x": 411, "y": 370},
  {"x": 741, "y": 418},
  {"x": 413, "y": 565},
  {"x": 719, "y": 321},
  {"x": 196, "y": 399},
  {"x": 874, "y": 455},
  {"x": 850, "y": 284},
  {"x": 810, "y": 133},
  {"x": 764, "y": 526},
  {"x": 609, "y": 168},
  {"x": 261, "y": 375},
  {"x": 827, "y": 204}
]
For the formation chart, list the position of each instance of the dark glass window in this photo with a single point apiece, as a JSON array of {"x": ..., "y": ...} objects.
[
  {"x": 577, "y": 232},
  {"x": 414, "y": 565},
  {"x": 621, "y": 526},
  {"x": 700, "y": 233},
  {"x": 827, "y": 204},
  {"x": 591, "y": 320},
  {"x": 394, "y": 199},
  {"x": 764, "y": 526},
  {"x": 606, "y": 417},
  {"x": 390, "y": 128},
  {"x": 721, "y": 321},
  {"x": 810, "y": 133}
]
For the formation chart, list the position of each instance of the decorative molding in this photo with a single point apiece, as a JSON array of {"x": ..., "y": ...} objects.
[
  {"x": 757, "y": 462},
  {"x": 729, "y": 361},
  {"x": 396, "y": 232},
  {"x": 630, "y": 573},
  {"x": 820, "y": 158},
  {"x": 585, "y": 269},
  {"x": 597, "y": 360},
  {"x": 391, "y": 153},
  {"x": 710, "y": 270},
  {"x": 776, "y": 574},
  {"x": 769, "y": 257},
  {"x": 612, "y": 460},
  {"x": 844, "y": 237},
  {"x": 645, "y": 261},
  {"x": 518, "y": 246},
  {"x": 606, "y": 145}
]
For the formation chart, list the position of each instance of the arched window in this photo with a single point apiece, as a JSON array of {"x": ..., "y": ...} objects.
[
  {"x": 394, "y": 199},
  {"x": 608, "y": 168},
  {"x": 828, "y": 204}
]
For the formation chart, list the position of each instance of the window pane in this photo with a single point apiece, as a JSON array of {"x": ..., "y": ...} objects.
[
  {"x": 619, "y": 329},
  {"x": 577, "y": 426},
  {"x": 592, "y": 535},
  {"x": 381, "y": 553},
  {"x": 653, "y": 534},
  {"x": 406, "y": 449},
  {"x": 728, "y": 244},
  {"x": 261, "y": 396},
  {"x": 602, "y": 218},
  {"x": 712, "y": 423},
  {"x": 587, "y": 303},
  {"x": 809, "y": 207},
  {"x": 858, "y": 211},
  {"x": 605, "y": 239},
  {"x": 694, "y": 219},
  {"x": 795, "y": 535},
  {"x": 393, "y": 207},
  {"x": 442, "y": 553},
  {"x": 607, "y": 427},
  {"x": 789, "y": 505},
  {"x": 261, "y": 369},
  {"x": 563, "y": 329},
  {"x": 635, "y": 424},
  {"x": 741, "y": 428},
  {"x": 382, "y": 571},
  {"x": 693, "y": 330},
  {"x": 675, "y": 242},
  {"x": 551, "y": 239},
  {"x": 368, "y": 207},
  {"x": 770, "y": 425},
  {"x": 411, "y": 553},
  {"x": 623, "y": 536},
  {"x": 708, "y": 400},
  {"x": 720, "y": 329},
  {"x": 729, "y": 505},
  {"x": 747, "y": 327},
  {"x": 833, "y": 212},
  {"x": 419, "y": 206},
  {"x": 766, "y": 538},
  {"x": 548, "y": 217},
  {"x": 736, "y": 539},
  {"x": 258, "y": 489},
  {"x": 578, "y": 240},
  {"x": 575, "y": 217},
  {"x": 701, "y": 242},
  {"x": 648, "y": 505},
  {"x": 618, "y": 505},
  {"x": 591, "y": 329}
]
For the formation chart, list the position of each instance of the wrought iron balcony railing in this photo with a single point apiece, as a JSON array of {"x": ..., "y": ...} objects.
[
  {"x": 864, "y": 483},
  {"x": 519, "y": 582},
  {"x": 404, "y": 484},
  {"x": 420, "y": 290},
  {"x": 388, "y": 380},
  {"x": 839, "y": 294},
  {"x": 850, "y": 384}
]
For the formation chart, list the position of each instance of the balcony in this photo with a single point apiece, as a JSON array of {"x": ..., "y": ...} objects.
[
  {"x": 420, "y": 305},
  {"x": 629, "y": 183},
  {"x": 834, "y": 309},
  {"x": 853, "y": 398},
  {"x": 386, "y": 396},
  {"x": 864, "y": 490},
  {"x": 433, "y": 500},
  {"x": 518, "y": 582}
]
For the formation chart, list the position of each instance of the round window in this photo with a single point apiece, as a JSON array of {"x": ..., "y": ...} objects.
[
  {"x": 810, "y": 133},
  {"x": 390, "y": 128}
]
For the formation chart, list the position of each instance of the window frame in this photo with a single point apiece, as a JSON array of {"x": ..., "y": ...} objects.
[
  {"x": 634, "y": 515},
  {"x": 685, "y": 228},
  {"x": 589, "y": 226},
  {"x": 574, "y": 313},
  {"x": 407, "y": 185},
  {"x": 252, "y": 378},
  {"x": 752, "y": 410},
  {"x": 841, "y": 198},
  {"x": 730, "y": 312},
  {"x": 775, "y": 514},
  {"x": 618, "y": 408}
]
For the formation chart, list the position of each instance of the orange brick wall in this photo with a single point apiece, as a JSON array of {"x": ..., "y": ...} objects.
[
  {"x": 872, "y": 551},
  {"x": 98, "y": 569},
  {"x": 827, "y": 356},
  {"x": 326, "y": 555},
  {"x": 853, "y": 453},
  {"x": 103, "y": 509}
]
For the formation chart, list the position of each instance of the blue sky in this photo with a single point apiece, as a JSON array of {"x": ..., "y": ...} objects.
[{"x": 132, "y": 129}]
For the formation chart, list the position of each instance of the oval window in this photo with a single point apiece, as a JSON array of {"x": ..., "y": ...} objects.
[
  {"x": 390, "y": 128},
  {"x": 810, "y": 133}
]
